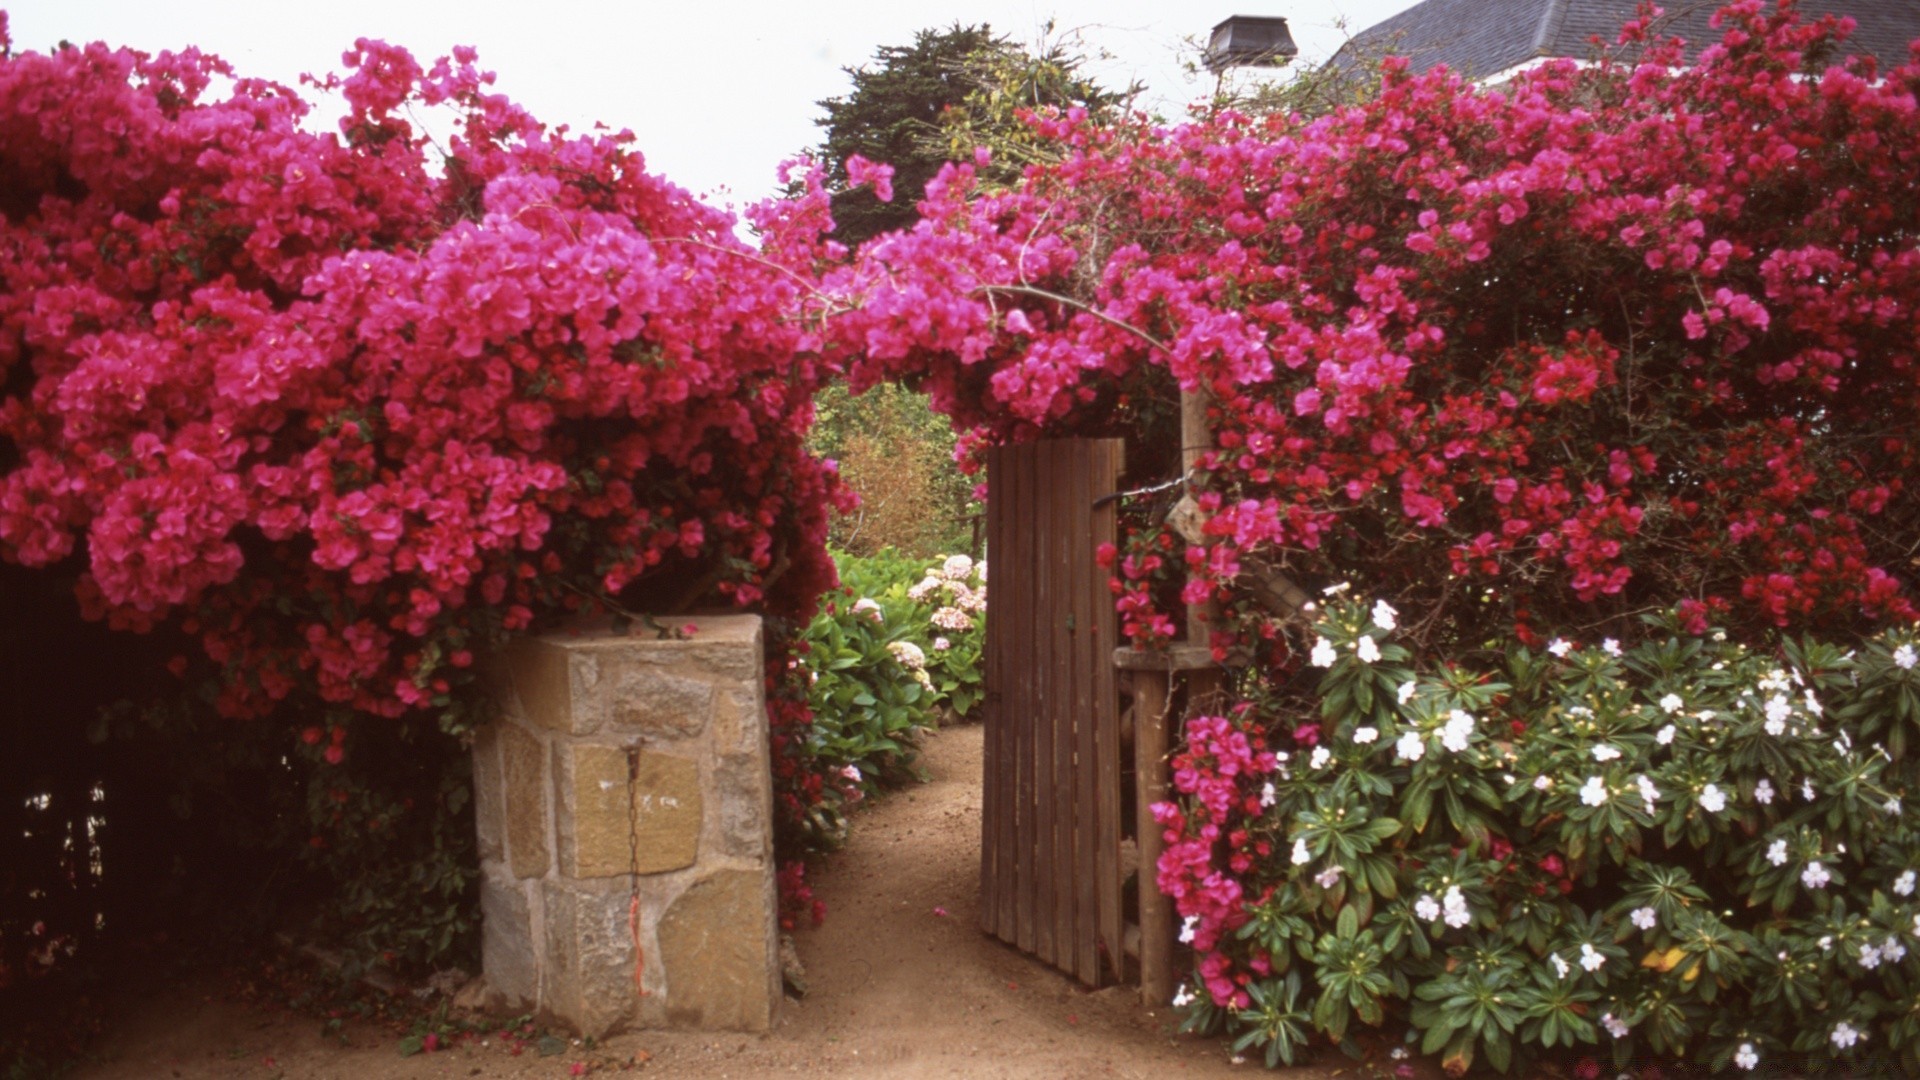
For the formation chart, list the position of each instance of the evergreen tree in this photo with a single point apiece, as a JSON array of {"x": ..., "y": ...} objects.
[{"x": 918, "y": 106}]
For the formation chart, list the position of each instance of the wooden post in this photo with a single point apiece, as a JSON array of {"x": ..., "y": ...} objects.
[{"x": 1150, "y": 706}]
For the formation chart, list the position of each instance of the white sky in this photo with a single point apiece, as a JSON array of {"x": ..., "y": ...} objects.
[{"x": 718, "y": 93}]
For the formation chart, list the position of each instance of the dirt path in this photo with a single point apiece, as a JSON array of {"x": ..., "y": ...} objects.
[{"x": 901, "y": 981}]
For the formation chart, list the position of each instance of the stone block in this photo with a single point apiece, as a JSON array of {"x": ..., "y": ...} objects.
[
  {"x": 739, "y": 723},
  {"x": 508, "y": 949},
  {"x": 540, "y": 671},
  {"x": 642, "y": 698},
  {"x": 523, "y": 761},
  {"x": 597, "y": 819},
  {"x": 590, "y": 956},
  {"x": 718, "y": 949},
  {"x": 489, "y": 796},
  {"x": 742, "y": 814}
]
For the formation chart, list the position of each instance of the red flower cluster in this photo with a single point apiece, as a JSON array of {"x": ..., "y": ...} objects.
[
  {"x": 1589, "y": 342},
  {"x": 348, "y": 409}
]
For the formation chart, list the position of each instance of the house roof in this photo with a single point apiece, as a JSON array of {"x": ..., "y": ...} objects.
[{"x": 1482, "y": 38}]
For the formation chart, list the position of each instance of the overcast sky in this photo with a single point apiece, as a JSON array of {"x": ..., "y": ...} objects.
[{"x": 717, "y": 92}]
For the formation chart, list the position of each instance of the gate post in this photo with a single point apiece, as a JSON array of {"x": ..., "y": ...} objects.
[{"x": 625, "y": 805}]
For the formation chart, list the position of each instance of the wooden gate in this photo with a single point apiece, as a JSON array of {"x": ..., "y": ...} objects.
[{"x": 1050, "y": 870}]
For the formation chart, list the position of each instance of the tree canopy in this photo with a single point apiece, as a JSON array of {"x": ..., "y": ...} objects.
[{"x": 917, "y": 107}]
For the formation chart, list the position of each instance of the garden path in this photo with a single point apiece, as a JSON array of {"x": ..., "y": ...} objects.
[{"x": 901, "y": 981}]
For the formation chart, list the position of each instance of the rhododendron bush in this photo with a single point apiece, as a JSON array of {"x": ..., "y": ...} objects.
[
  {"x": 1526, "y": 363},
  {"x": 341, "y": 410}
]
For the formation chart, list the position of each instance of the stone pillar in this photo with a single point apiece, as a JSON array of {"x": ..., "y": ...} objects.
[{"x": 624, "y": 758}]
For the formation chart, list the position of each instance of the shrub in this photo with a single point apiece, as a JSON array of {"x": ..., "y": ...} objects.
[
  {"x": 884, "y": 659},
  {"x": 897, "y": 455},
  {"x": 1677, "y": 846},
  {"x": 343, "y": 411},
  {"x": 1596, "y": 341}
]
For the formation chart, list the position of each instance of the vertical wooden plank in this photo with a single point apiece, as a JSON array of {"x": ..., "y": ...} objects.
[
  {"x": 1009, "y": 582},
  {"x": 1044, "y": 659},
  {"x": 1027, "y": 718},
  {"x": 990, "y": 718},
  {"x": 1064, "y": 661},
  {"x": 1107, "y": 737},
  {"x": 1088, "y": 662}
]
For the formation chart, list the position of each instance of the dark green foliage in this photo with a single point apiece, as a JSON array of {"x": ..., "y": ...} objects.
[{"x": 918, "y": 106}]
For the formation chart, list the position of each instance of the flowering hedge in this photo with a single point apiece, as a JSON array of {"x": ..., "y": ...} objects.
[
  {"x": 1530, "y": 362},
  {"x": 343, "y": 409},
  {"x": 1595, "y": 341},
  {"x": 1681, "y": 846}
]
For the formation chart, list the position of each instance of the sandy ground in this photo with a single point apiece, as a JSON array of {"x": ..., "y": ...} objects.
[{"x": 901, "y": 983}]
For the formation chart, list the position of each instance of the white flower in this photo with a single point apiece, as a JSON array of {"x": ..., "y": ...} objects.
[
  {"x": 1542, "y": 782},
  {"x": 1777, "y": 853},
  {"x": 908, "y": 654},
  {"x": 1815, "y": 876},
  {"x": 1411, "y": 747},
  {"x": 1763, "y": 792},
  {"x": 1645, "y": 918},
  {"x": 1603, "y": 752},
  {"x": 1560, "y": 647},
  {"x": 1903, "y": 885},
  {"x": 1706, "y": 715},
  {"x": 868, "y": 607},
  {"x": 1611, "y": 647},
  {"x": 1844, "y": 1036},
  {"x": 1778, "y": 709},
  {"x": 1891, "y": 806},
  {"x": 1590, "y": 958},
  {"x": 1327, "y": 878},
  {"x": 1267, "y": 795},
  {"x": 1893, "y": 950},
  {"x": 1182, "y": 997},
  {"x": 1319, "y": 758},
  {"x": 1458, "y": 730},
  {"x": 1712, "y": 799},
  {"x": 1615, "y": 1026},
  {"x": 1301, "y": 856},
  {"x": 1746, "y": 1057},
  {"x": 1806, "y": 789},
  {"x": 1905, "y": 658},
  {"x": 1560, "y": 966},
  {"x": 1383, "y": 615},
  {"x": 952, "y": 618},
  {"x": 1594, "y": 791},
  {"x": 1407, "y": 690},
  {"x": 1336, "y": 590},
  {"x": 1672, "y": 703},
  {"x": 1323, "y": 654},
  {"x": 924, "y": 589},
  {"x": 1813, "y": 704},
  {"x": 1869, "y": 956},
  {"x": 1648, "y": 792},
  {"x": 1454, "y": 908},
  {"x": 956, "y": 568},
  {"x": 1365, "y": 735},
  {"x": 1428, "y": 909},
  {"x": 1367, "y": 649},
  {"x": 941, "y": 644},
  {"x": 1187, "y": 928},
  {"x": 851, "y": 772},
  {"x": 1665, "y": 736}
]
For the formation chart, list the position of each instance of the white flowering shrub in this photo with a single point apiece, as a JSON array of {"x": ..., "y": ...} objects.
[
  {"x": 1672, "y": 848},
  {"x": 882, "y": 661}
]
